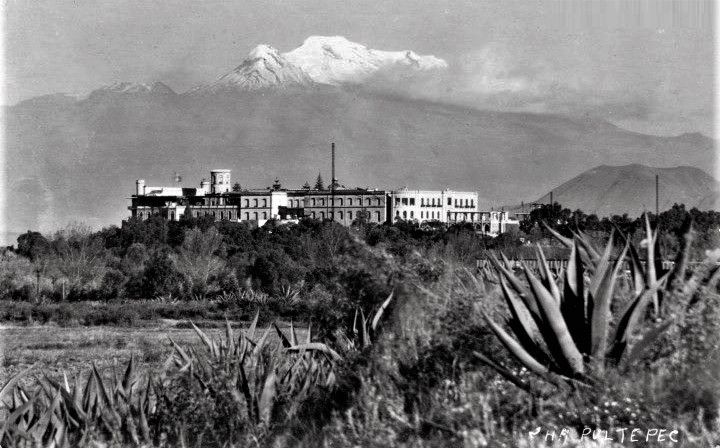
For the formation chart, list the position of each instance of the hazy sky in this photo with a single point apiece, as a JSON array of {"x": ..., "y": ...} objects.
[{"x": 645, "y": 65}]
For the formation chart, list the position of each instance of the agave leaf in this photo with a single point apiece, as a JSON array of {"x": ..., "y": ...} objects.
[
  {"x": 253, "y": 325},
  {"x": 106, "y": 398},
  {"x": 600, "y": 323},
  {"x": 551, "y": 314},
  {"x": 677, "y": 275},
  {"x": 308, "y": 337},
  {"x": 516, "y": 284},
  {"x": 637, "y": 271},
  {"x": 515, "y": 348},
  {"x": 261, "y": 343},
  {"x": 573, "y": 306},
  {"x": 267, "y": 398},
  {"x": 601, "y": 268},
  {"x": 365, "y": 332},
  {"x": 651, "y": 275},
  {"x": 632, "y": 314},
  {"x": 15, "y": 414},
  {"x": 285, "y": 342},
  {"x": 13, "y": 381},
  {"x": 639, "y": 348},
  {"x": 563, "y": 239},
  {"x": 379, "y": 313},
  {"x": 505, "y": 373},
  {"x": 209, "y": 343},
  {"x": 547, "y": 275},
  {"x": 230, "y": 337},
  {"x": 520, "y": 312},
  {"x": 129, "y": 376},
  {"x": 592, "y": 254},
  {"x": 293, "y": 335},
  {"x": 316, "y": 346}
]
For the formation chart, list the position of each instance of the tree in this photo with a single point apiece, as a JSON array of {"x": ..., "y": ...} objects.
[
  {"x": 236, "y": 187},
  {"x": 198, "y": 260},
  {"x": 319, "y": 184}
]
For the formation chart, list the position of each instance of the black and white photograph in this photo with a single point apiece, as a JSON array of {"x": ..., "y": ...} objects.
[{"x": 351, "y": 224}]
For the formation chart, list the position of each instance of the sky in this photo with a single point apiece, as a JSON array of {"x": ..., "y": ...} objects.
[{"x": 644, "y": 65}]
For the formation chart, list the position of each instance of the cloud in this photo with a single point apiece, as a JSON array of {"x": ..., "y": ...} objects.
[{"x": 496, "y": 78}]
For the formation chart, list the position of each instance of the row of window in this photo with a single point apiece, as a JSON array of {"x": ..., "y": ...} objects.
[
  {"x": 423, "y": 215},
  {"x": 339, "y": 202},
  {"x": 223, "y": 214},
  {"x": 255, "y": 203},
  {"x": 341, "y": 215},
  {"x": 435, "y": 202}
]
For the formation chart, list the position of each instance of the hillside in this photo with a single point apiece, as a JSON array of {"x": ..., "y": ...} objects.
[{"x": 607, "y": 190}]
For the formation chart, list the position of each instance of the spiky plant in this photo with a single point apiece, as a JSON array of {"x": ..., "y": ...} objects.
[{"x": 561, "y": 326}]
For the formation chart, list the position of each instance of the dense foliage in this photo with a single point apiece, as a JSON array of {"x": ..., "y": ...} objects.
[{"x": 402, "y": 351}]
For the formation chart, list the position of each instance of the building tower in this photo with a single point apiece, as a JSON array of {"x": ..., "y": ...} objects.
[
  {"x": 220, "y": 181},
  {"x": 140, "y": 187}
]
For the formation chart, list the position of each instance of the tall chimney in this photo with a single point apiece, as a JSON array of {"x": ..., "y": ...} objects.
[{"x": 332, "y": 182}]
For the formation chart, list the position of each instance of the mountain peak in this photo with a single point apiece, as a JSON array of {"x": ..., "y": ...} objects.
[
  {"x": 336, "y": 60},
  {"x": 332, "y": 60}
]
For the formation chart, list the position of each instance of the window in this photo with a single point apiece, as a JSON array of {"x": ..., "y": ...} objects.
[
  {"x": 397, "y": 201},
  {"x": 247, "y": 202},
  {"x": 322, "y": 215},
  {"x": 368, "y": 201},
  {"x": 255, "y": 216},
  {"x": 340, "y": 215},
  {"x": 377, "y": 216},
  {"x": 422, "y": 202},
  {"x": 322, "y": 202},
  {"x": 377, "y": 201},
  {"x": 404, "y": 214},
  {"x": 230, "y": 215},
  {"x": 312, "y": 214},
  {"x": 255, "y": 203},
  {"x": 404, "y": 201},
  {"x": 264, "y": 215},
  {"x": 412, "y": 201},
  {"x": 172, "y": 216},
  {"x": 472, "y": 202},
  {"x": 222, "y": 215},
  {"x": 264, "y": 202},
  {"x": 247, "y": 216},
  {"x": 349, "y": 201},
  {"x": 449, "y": 201},
  {"x": 350, "y": 216},
  {"x": 421, "y": 215},
  {"x": 397, "y": 213},
  {"x": 340, "y": 203},
  {"x": 412, "y": 214},
  {"x": 313, "y": 204}
]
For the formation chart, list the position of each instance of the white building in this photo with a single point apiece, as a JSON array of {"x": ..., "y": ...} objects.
[{"x": 446, "y": 206}]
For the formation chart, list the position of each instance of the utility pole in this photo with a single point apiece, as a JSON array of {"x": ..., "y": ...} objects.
[{"x": 332, "y": 183}]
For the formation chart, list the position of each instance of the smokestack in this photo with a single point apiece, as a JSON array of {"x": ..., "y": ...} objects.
[{"x": 332, "y": 182}]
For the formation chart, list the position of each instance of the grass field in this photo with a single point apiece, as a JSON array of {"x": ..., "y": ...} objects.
[{"x": 56, "y": 350}]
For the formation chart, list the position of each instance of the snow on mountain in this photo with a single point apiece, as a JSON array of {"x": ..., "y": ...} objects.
[
  {"x": 335, "y": 60},
  {"x": 264, "y": 68},
  {"x": 332, "y": 60}
]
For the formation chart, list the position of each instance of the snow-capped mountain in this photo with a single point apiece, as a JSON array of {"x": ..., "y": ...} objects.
[
  {"x": 331, "y": 60},
  {"x": 264, "y": 68},
  {"x": 335, "y": 60}
]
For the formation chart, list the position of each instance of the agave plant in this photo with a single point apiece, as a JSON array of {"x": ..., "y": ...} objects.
[
  {"x": 65, "y": 415},
  {"x": 269, "y": 381},
  {"x": 365, "y": 330},
  {"x": 561, "y": 325}
]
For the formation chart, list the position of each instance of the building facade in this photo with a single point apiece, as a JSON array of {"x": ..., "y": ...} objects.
[{"x": 218, "y": 199}]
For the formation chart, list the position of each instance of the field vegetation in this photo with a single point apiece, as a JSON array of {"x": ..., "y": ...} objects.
[{"x": 317, "y": 335}]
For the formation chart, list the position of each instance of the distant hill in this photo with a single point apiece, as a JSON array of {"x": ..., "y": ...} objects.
[{"x": 607, "y": 190}]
